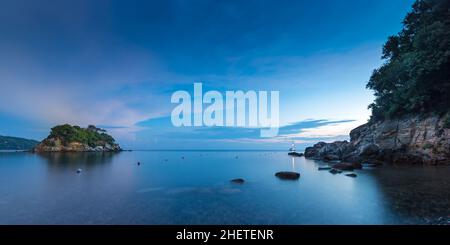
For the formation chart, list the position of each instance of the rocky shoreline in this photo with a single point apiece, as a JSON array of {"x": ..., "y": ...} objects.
[
  {"x": 68, "y": 138},
  {"x": 55, "y": 145},
  {"x": 412, "y": 139}
]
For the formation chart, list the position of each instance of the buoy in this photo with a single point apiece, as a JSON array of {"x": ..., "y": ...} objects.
[
  {"x": 78, "y": 170},
  {"x": 139, "y": 163}
]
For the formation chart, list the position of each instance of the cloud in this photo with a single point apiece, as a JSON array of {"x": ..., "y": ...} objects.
[
  {"x": 325, "y": 130},
  {"x": 303, "y": 131},
  {"x": 109, "y": 86}
]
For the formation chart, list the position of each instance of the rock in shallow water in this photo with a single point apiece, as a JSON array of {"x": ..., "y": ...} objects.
[
  {"x": 351, "y": 175},
  {"x": 237, "y": 181},
  {"x": 295, "y": 154},
  {"x": 335, "y": 171},
  {"x": 347, "y": 166},
  {"x": 324, "y": 168},
  {"x": 328, "y": 151},
  {"x": 285, "y": 175}
]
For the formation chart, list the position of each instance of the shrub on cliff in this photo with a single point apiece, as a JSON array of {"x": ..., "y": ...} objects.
[
  {"x": 416, "y": 75},
  {"x": 91, "y": 135}
]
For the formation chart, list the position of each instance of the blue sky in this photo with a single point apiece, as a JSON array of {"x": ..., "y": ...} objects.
[{"x": 116, "y": 64}]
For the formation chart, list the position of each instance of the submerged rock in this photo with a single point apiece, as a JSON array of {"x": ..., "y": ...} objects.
[
  {"x": 371, "y": 165},
  {"x": 347, "y": 166},
  {"x": 351, "y": 175},
  {"x": 335, "y": 171},
  {"x": 288, "y": 175},
  {"x": 237, "y": 181}
]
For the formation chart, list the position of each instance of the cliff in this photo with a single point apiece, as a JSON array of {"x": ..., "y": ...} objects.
[
  {"x": 67, "y": 138},
  {"x": 410, "y": 139}
]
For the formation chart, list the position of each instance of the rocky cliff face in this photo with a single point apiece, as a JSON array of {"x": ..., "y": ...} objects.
[
  {"x": 56, "y": 145},
  {"x": 413, "y": 139}
]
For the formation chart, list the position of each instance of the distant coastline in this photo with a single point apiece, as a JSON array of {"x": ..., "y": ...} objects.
[{"x": 9, "y": 143}]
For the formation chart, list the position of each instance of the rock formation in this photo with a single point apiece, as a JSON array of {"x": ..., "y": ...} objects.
[
  {"x": 67, "y": 138},
  {"x": 411, "y": 139}
]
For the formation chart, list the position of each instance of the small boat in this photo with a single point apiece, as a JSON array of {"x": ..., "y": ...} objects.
[{"x": 292, "y": 151}]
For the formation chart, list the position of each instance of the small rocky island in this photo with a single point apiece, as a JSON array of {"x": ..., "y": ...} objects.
[{"x": 68, "y": 138}]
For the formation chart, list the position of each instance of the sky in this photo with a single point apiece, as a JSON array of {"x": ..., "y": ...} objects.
[{"x": 115, "y": 64}]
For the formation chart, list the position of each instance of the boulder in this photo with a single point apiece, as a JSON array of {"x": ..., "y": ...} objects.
[
  {"x": 369, "y": 150},
  {"x": 357, "y": 165},
  {"x": 331, "y": 157},
  {"x": 237, "y": 181},
  {"x": 343, "y": 166},
  {"x": 335, "y": 171},
  {"x": 328, "y": 151},
  {"x": 285, "y": 175},
  {"x": 98, "y": 148},
  {"x": 295, "y": 154}
]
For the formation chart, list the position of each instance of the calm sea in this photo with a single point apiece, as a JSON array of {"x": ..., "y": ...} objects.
[{"x": 193, "y": 187}]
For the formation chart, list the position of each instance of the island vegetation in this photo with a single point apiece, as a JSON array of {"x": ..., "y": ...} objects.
[
  {"x": 74, "y": 138},
  {"x": 90, "y": 136}
]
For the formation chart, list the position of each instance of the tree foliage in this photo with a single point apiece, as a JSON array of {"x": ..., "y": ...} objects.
[
  {"x": 415, "y": 77},
  {"x": 91, "y": 135}
]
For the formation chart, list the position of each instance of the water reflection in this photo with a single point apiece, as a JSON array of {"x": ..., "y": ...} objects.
[
  {"x": 194, "y": 188},
  {"x": 416, "y": 194},
  {"x": 63, "y": 161},
  {"x": 293, "y": 164}
]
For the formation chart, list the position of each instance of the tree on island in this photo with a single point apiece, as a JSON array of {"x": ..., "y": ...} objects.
[
  {"x": 91, "y": 135},
  {"x": 415, "y": 76}
]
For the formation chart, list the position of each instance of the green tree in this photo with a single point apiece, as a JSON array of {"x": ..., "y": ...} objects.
[
  {"x": 91, "y": 135},
  {"x": 415, "y": 76}
]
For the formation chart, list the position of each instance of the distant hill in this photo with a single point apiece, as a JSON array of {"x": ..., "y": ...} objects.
[{"x": 15, "y": 143}]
